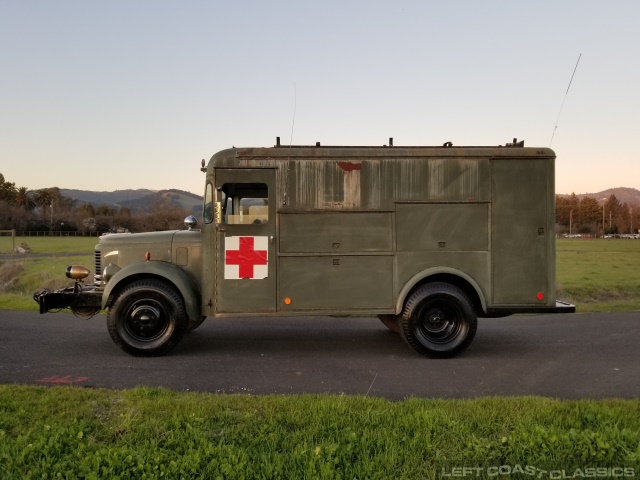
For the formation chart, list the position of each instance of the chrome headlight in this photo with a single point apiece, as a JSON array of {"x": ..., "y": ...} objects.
[{"x": 109, "y": 271}]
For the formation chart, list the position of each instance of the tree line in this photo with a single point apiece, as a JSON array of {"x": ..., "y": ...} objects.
[
  {"x": 48, "y": 210},
  {"x": 587, "y": 216}
]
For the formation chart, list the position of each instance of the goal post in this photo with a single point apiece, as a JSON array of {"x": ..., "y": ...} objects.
[{"x": 6, "y": 233}]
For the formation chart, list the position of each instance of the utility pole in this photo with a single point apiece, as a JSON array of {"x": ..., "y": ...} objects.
[{"x": 570, "y": 221}]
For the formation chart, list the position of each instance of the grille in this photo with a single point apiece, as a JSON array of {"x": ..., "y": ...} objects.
[{"x": 98, "y": 263}]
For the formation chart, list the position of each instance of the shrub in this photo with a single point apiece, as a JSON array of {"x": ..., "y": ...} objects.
[{"x": 9, "y": 276}]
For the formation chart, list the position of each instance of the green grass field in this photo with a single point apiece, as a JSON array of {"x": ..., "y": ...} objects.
[
  {"x": 155, "y": 433},
  {"x": 51, "y": 244},
  {"x": 599, "y": 275}
]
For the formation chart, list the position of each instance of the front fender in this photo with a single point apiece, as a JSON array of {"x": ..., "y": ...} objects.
[
  {"x": 437, "y": 271},
  {"x": 162, "y": 270}
]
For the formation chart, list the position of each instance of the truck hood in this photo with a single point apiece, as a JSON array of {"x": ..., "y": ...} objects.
[
  {"x": 125, "y": 248},
  {"x": 113, "y": 239}
]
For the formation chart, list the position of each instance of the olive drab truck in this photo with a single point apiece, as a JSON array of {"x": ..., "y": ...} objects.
[{"x": 428, "y": 239}]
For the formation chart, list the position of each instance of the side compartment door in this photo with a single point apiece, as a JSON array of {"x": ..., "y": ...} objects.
[
  {"x": 246, "y": 257},
  {"x": 520, "y": 231}
]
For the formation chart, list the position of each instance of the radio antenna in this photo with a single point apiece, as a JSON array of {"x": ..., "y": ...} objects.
[
  {"x": 285, "y": 197},
  {"x": 295, "y": 105},
  {"x": 563, "y": 100}
]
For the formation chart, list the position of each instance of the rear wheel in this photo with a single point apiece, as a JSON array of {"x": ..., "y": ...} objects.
[
  {"x": 439, "y": 320},
  {"x": 147, "y": 318}
]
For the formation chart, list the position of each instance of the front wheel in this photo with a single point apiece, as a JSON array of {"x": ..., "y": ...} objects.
[
  {"x": 439, "y": 320},
  {"x": 147, "y": 318}
]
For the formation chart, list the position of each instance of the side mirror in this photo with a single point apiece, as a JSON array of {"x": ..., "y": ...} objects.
[{"x": 190, "y": 222}]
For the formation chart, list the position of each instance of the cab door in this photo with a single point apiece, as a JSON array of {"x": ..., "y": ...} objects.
[{"x": 245, "y": 241}]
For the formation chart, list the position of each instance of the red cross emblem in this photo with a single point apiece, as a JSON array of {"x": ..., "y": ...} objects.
[{"x": 246, "y": 257}]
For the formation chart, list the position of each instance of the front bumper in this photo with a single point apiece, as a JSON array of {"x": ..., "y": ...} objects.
[{"x": 75, "y": 298}]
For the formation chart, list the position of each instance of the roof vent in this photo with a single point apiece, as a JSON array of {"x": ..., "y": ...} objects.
[{"x": 516, "y": 143}]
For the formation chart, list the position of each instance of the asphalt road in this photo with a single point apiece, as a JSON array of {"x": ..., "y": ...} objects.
[{"x": 564, "y": 356}]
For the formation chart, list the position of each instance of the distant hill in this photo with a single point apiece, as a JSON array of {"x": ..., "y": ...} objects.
[
  {"x": 630, "y": 196},
  {"x": 175, "y": 198},
  {"x": 138, "y": 200},
  {"x": 105, "y": 198}
]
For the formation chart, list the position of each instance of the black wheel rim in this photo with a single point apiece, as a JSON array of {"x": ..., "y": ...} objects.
[
  {"x": 147, "y": 320},
  {"x": 439, "y": 322}
]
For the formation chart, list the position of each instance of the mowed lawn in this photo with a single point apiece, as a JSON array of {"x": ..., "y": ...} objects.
[
  {"x": 51, "y": 244},
  {"x": 599, "y": 274}
]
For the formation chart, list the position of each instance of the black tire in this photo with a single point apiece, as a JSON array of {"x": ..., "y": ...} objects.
[
  {"x": 392, "y": 322},
  {"x": 147, "y": 318},
  {"x": 439, "y": 320}
]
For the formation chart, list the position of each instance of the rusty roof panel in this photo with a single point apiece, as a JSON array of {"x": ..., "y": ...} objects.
[{"x": 375, "y": 178}]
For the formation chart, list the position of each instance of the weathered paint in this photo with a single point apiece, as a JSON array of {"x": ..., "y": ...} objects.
[
  {"x": 423, "y": 209},
  {"x": 327, "y": 178}
]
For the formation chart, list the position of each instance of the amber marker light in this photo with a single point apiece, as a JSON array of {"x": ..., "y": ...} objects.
[
  {"x": 147, "y": 256},
  {"x": 77, "y": 272},
  {"x": 540, "y": 296},
  {"x": 287, "y": 301}
]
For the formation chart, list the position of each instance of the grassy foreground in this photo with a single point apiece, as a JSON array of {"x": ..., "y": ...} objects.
[{"x": 67, "y": 432}]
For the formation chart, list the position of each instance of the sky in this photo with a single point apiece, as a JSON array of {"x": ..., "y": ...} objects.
[{"x": 116, "y": 95}]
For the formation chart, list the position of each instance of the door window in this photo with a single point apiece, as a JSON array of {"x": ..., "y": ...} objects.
[{"x": 245, "y": 203}]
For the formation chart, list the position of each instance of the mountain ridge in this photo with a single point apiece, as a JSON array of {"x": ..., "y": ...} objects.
[
  {"x": 112, "y": 198},
  {"x": 630, "y": 196},
  {"x": 138, "y": 199}
]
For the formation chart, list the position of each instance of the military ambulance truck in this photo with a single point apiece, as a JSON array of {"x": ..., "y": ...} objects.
[{"x": 428, "y": 239}]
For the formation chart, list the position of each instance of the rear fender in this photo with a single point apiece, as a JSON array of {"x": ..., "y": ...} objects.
[
  {"x": 431, "y": 272},
  {"x": 161, "y": 270}
]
